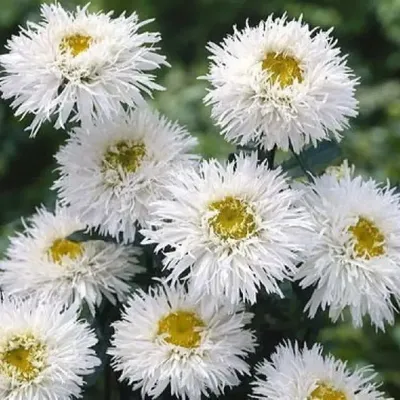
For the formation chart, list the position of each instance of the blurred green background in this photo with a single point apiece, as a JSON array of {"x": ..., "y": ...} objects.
[{"x": 368, "y": 30}]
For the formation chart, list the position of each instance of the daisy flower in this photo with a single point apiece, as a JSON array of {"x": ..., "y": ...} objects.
[
  {"x": 280, "y": 84},
  {"x": 109, "y": 176},
  {"x": 354, "y": 255},
  {"x": 233, "y": 228},
  {"x": 299, "y": 374},
  {"x": 341, "y": 171},
  {"x": 44, "y": 260},
  {"x": 78, "y": 66},
  {"x": 44, "y": 350},
  {"x": 170, "y": 337}
]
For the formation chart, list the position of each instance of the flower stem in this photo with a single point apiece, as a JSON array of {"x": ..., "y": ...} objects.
[{"x": 303, "y": 165}]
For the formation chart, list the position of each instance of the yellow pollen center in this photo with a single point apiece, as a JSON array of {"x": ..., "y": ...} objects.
[
  {"x": 127, "y": 155},
  {"x": 326, "y": 392},
  {"x": 22, "y": 358},
  {"x": 283, "y": 69},
  {"x": 75, "y": 44},
  {"x": 233, "y": 219},
  {"x": 63, "y": 248},
  {"x": 19, "y": 358},
  {"x": 369, "y": 240},
  {"x": 182, "y": 328}
]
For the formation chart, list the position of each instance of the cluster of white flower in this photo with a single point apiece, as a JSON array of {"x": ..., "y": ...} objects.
[{"x": 226, "y": 231}]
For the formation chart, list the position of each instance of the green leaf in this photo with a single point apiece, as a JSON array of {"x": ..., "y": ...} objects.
[{"x": 314, "y": 159}]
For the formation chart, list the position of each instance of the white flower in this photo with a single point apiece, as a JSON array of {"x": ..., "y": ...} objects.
[
  {"x": 354, "y": 254},
  {"x": 234, "y": 226},
  {"x": 300, "y": 374},
  {"x": 170, "y": 337},
  {"x": 341, "y": 171},
  {"x": 44, "y": 350},
  {"x": 43, "y": 260},
  {"x": 78, "y": 66},
  {"x": 109, "y": 176},
  {"x": 280, "y": 83}
]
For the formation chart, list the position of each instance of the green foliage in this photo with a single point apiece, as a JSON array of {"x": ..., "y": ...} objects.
[{"x": 369, "y": 30}]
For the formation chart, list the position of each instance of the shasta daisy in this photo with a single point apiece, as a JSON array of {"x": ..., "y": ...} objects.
[
  {"x": 78, "y": 66},
  {"x": 109, "y": 176},
  {"x": 353, "y": 260},
  {"x": 169, "y": 337},
  {"x": 230, "y": 228},
  {"x": 281, "y": 84},
  {"x": 295, "y": 373},
  {"x": 45, "y": 351},
  {"x": 44, "y": 260}
]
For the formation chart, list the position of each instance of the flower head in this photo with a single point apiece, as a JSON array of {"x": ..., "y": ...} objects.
[
  {"x": 280, "y": 84},
  {"x": 44, "y": 350},
  {"x": 354, "y": 254},
  {"x": 44, "y": 260},
  {"x": 78, "y": 66},
  {"x": 170, "y": 337},
  {"x": 108, "y": 177},
  {"x": 234, "y": 225},
  {"x": 298, "y": 374}
]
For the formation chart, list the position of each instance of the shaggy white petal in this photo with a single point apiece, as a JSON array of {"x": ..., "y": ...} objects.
[
  {"x": 87, "y": 271},
  {"x": 115, "y": 199},
  {"x": 150, "y": 362},
  {"x": 78, "y": 66},
  {"x": 54, "y": 338},
  {"x": 260, "y": 250},
  {"x": 305, "y": 98},
  {"x": 295, "y": 373},
  {"x": 347, "y": 275}
]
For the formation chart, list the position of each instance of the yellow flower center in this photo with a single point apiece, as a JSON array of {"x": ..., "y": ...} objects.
[
  {"x": 326, "y": 392},
  {"x": 182, "y": 328},
  {"x": 65, "y": 248},
  {"x": 22, "y": 358},
  {"x": 369, "y": 240},
  {"x": 283, "y": 69},
  {"x": 75, "y": 44},
  {"x": 126, "y": 155},
  {"x": 234, "y": 219}
]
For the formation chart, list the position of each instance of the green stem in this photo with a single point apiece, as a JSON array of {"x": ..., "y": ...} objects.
[{"x": 303, "y": 165}]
